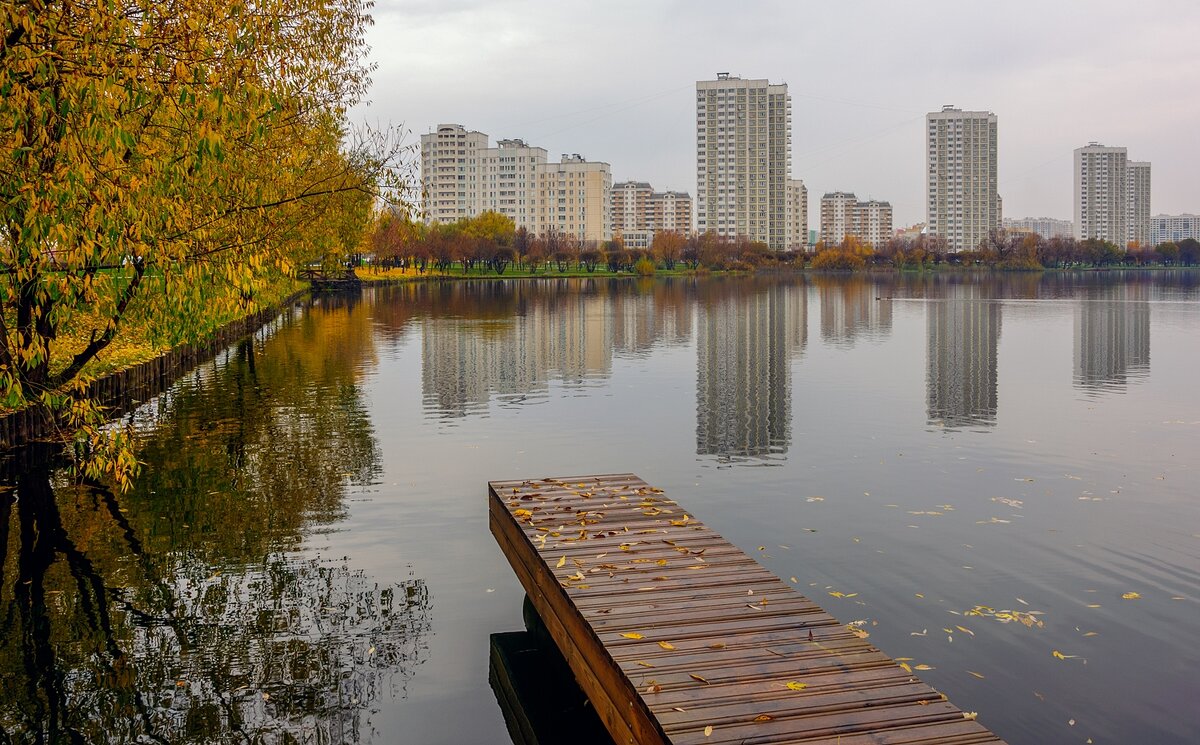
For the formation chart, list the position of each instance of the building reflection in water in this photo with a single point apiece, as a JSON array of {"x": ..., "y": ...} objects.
[
  {"x": 746, "y": 339},
  {"x": 962, "y": 343},
  {"x": 854, "y": 308},
  {"x": 565, "y": 330},
  {"x": 1112, "y": 337}
]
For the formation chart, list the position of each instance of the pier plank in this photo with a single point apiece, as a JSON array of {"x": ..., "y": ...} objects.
[{"x": 677, "y": 636}]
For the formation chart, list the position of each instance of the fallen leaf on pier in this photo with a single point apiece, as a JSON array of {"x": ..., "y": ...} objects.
[
  {"x": 560, "y": 563},
  {"x": 763, "y": 718},
  {"x": 708, "y": 731},
  {"x": 795, "y": 686},
  {"x": 632, "y": 635},
  {"x": 666, "y": 645},
  {"x": 694, "y": 676}
]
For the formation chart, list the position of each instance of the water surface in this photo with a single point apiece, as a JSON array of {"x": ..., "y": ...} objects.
[{"x": 979, "y": 468}]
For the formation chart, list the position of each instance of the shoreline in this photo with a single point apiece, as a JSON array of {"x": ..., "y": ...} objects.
[
  {"x": 121, "y": 390},
  {"x": 391, "y": 278}
]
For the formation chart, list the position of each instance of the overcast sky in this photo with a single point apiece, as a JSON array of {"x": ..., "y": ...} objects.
[{"x": 615, "y": 81}]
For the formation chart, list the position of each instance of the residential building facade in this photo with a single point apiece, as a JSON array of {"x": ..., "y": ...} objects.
[
  {"x": 1101, "y": 193},
  {"x": 962, "y": 201},
  {"x": 638, "y": 212},
  {"x": 630, "y": 207},
  {"x": 574, "y": 199},
  {"x": 1046, "y": 227},
  {"x": 843, "y": 215},
  {"x": 461, "y": 176},
  {"x": 1137, "y": 194},
  {"x": 450, "y": 172},
  {"x": 797, "y": 216},
  {"x": 743, "y": 158},
  {"x": 1174, "y": 228},
  {"x": 837, "y": 216}
]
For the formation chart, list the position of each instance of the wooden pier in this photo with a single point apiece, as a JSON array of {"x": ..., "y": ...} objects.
[{"x": 677, "y": 636}]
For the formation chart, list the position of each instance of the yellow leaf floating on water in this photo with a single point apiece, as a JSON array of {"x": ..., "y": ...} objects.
[
  {"x": 708, "y": 731},
  {"x": 795, "y": 686},
  {"x": 977, "y": 675},
  {"x": 1059, "y": 655},
  {"x": 1131, "y": 596},
  {"x": 922, "y": 667},
  {"x": 666, "y": 645},
  {"x": 632, "y": 635}
]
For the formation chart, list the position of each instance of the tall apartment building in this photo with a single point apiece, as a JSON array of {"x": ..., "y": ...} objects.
[
  {"x": 842, "y": 215},
  {"x": 743, "y": 158},
  {"x": 1046, "y": 227},
  {"x": 573, "y": 199},
  {"x": 461, "y": 177},
  {"x": 837, "y": 216},
  {"x": 1175, "y": 228},
  {"x": 797, "y": 216},
  {"x": 962, "y": 202},
  {"x": 630, "y": 207},
  {"x": 1101, "y": 197},
  {"x": 1137, "y": 194},
  {"x": 448, "y": 157},
  {"x": 638, "y": 212}
]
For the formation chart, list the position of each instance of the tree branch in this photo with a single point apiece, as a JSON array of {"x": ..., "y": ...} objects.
[{"x": 98, "y": 343}]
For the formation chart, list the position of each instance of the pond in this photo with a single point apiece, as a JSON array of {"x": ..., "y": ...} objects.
[{"x": 999, "y": 475}]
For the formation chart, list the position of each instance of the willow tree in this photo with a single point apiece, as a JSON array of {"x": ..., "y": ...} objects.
[{"x": 164, "y": 161}]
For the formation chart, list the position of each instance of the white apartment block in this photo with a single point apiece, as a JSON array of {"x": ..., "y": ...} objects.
[
  {"x": 1046, "y": 227},
  {"x": 461, "y": 177},
  {"x": 962, "y": 201},
  {"x": 638, "y": 212},
  {"x": 450, "y": 172},
  {"x": 743, "y": 158},
  {"x": 1101, "y": 193},
  {"x": 797, "y": 215},
  {"x": 843, "y": 215},
  {"x": 1137, "y": 194},
  {"x": 1174, "y": 228}
]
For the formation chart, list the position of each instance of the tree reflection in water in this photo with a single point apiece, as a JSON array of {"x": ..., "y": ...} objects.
[{"x": 180, "y": 612}]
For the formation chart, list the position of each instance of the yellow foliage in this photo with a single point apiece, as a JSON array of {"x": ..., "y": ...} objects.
[{"x": 167, "y": 169}]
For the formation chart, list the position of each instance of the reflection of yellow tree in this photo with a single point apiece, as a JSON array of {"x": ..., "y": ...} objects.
[{"x": 173, "y": 613}]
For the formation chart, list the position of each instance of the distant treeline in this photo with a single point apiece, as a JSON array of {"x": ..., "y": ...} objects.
[{"x": 491, "y": 242}]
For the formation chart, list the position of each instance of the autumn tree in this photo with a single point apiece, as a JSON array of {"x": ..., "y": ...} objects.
[
  {"x": 1189, "y": 251},
  {"x": 394, "y": 234},
  {"x": 1168, "y": 252},
  {"x": 667, "y": 248},
  {"x": 165, "y": 161}
]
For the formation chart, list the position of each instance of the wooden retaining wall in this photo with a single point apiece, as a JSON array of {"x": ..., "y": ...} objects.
[{"x": 124, "y": 389}]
